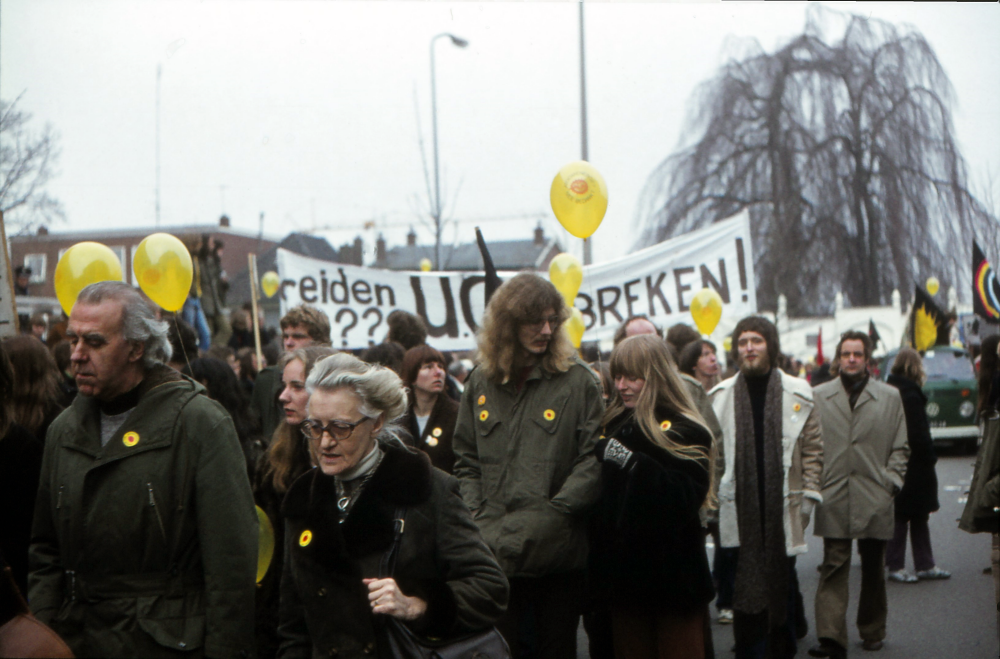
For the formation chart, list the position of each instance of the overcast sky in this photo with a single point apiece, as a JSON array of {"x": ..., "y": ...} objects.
[{"x": 312, "y": 112}]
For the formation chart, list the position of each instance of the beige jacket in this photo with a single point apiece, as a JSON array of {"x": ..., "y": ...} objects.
[
  {"x": 865, "y": 452},
  {"x": 801, "y": 457}
]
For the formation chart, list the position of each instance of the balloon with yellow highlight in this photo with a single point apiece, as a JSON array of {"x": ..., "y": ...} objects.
[
  {"x": 706, "y": 309},
  {"x": 269, "y": 283},
  {"x": 566, "y": 274},
  {"x": 426, "y": 265},
  {"x": 80, "y": 266},
  {"x": 265, "y": 543},
  {"x": 579, "y": 198},
  {"x": 933, "y": 285},
  {"x": 576, "y": 327},
  {"x": 727, "y": 344},
  {"x": 162, "y": 266}
]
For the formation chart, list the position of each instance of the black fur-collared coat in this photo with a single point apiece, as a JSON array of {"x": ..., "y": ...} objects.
[
  {"x": 647, "y": 546},
  {"x": 442, "y": 559}
]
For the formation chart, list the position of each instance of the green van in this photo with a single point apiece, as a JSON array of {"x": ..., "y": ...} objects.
[{"x": 951, "y": 395}]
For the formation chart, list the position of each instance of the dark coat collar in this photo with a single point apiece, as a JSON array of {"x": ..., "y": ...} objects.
[{"x": 402, "y": 479}]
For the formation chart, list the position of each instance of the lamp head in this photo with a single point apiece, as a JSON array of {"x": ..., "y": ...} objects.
[{"x": 458, "y": 41}]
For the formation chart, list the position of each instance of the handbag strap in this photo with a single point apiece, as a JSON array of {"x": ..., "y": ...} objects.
[{"x": 387, "y": 566}]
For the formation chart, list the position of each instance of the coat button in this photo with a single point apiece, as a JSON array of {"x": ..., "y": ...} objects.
[{"x": 321, "y": 592}]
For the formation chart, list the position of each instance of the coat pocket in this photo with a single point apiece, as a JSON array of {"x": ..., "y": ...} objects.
[{"x": 177, "y": 623}]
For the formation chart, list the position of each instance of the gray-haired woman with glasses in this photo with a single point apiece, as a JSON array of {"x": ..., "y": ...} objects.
[{"x": 341, "y": 521}]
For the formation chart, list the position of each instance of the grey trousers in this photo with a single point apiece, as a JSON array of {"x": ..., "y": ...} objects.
[{"x": 832, "y": 593}]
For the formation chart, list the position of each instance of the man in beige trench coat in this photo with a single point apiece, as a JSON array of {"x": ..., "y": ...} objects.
[{"x": 864, "y": 460}]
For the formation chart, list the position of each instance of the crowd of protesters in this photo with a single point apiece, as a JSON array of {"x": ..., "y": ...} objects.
[{"x": 413, "y": 492}]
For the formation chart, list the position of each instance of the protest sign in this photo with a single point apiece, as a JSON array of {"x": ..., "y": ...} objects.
[
  {"x": 8, "y": 310},
  {"x": 658, "y": 281}
]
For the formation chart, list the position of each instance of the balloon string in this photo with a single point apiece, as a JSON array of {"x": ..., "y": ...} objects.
[{"x": 180, "y": 342}]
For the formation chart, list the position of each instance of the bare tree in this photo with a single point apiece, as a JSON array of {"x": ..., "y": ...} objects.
[
  {"x": 844, "y": 154},
  {"x": 27, "y": 164}
]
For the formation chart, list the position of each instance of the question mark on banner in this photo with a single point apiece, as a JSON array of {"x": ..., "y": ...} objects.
[
  {"x": 347, "y": 328},
  {"x": 371, "y": 330}
]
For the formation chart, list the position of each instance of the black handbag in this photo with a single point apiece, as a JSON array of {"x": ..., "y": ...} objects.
[{"x": 397, "y": 641}]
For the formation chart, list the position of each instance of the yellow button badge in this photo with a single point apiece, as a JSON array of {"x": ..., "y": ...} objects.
[
  {"x": 484, "y": 415},
  {"x": 436, "y": 432},
  {"x": 482, "y": 399},
  {"x": 305, "y": 538},
  {"x": 431, "y": 441},
  {"x": 796, "y": 407},
  {"x": 130, "y": 439},
  {"x": 549, "y": 414},
  {"x": 665, "y": 426}
]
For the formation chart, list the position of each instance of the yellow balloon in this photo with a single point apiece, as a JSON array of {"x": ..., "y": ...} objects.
[
  {"x": 162, "y": 266},
  {"x": 265, "y": 543},
  {"x": 426, "y": 265},
  {"x": 727, "y": 343},
  {"x": 933, "y": 285},
  {"x": 706, "y": 309},
  {"x": 269, "y": 283},
  {"x": 579, "y": 198},
  {"x": 566, "y": 274},
  {"x": 81, "y": 265},
  {"x": 576, "y": 327}
]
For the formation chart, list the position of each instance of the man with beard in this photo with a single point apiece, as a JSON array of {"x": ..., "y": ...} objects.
[
  {"x": 524, "y": 443},
  {"x": 773, "y": 466},
  {"x": 865, "y": 447}
]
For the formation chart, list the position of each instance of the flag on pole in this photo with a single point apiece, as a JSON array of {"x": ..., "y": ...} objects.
[
  {"x": 492, "y": 279},
  {"x": 985, "y": 287},
  {"x": 928, "y": 324}
]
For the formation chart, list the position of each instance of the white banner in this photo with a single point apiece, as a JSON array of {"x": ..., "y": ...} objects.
[{"x": 658, "y": 281}]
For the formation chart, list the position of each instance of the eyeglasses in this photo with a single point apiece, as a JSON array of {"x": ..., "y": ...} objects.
[
  {"x": 313, "y": 429},
  {"x": 536, "y": 326}
]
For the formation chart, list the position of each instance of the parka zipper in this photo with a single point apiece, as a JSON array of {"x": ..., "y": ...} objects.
[{"x": 152, "y": 504}]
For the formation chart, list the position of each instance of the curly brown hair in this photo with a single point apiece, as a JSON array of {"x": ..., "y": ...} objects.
[
  {"x": 524, "y": 298},
  {"x": 316, "y": 323}
]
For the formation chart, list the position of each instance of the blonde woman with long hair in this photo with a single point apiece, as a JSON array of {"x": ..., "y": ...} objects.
[{"x": 648, "y": 560}]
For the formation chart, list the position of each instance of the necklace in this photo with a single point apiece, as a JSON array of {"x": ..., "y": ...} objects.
[{"x": 345, "y": 500}]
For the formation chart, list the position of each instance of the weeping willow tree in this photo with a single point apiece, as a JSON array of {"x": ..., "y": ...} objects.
[{"x": 842, "y": 149}]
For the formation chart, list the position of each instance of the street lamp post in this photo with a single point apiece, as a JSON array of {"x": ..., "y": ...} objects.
[{"x": 461, "y": 43}]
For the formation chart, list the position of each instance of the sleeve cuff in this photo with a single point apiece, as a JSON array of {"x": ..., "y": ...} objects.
[{"x": 814, "y": 495}]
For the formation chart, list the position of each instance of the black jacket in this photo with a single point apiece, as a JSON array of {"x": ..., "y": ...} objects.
[
  {"x": 647, "y": 543},
  {"x": 919, "y": 495},
  {"x": 20, "y": 466},
  {"x": 435, "y": 440},
  {"x": 442, "y": 559}
]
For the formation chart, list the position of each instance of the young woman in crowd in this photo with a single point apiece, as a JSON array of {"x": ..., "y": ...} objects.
[
  {"x": 698, "y": 359},
  {"x": 286, "y": 459},
  {"x": 337, "y": 590},
  {"x": 648, "y": 555},
  {"x": 431, "y": 415},
  {"x": 919, "y": 496},
  {"x": 36, "y": 395}
]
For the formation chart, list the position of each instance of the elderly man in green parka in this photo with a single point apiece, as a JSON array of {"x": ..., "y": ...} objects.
[{"x": 145, "y": 537}]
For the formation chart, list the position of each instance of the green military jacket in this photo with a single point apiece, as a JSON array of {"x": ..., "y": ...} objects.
[
  {"x": 526, "y": 466},
  {"x": 148, "y": 545}
]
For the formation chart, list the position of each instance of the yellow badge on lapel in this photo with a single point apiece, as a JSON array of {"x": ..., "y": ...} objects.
[
  {"x": 305, "y": 538},
  {"x": 130, "y": 439},
  {"x": 436, "y": 432},
  {"x": 484, "y": 415},
  {"x": 431, "y": 441},
  {"x": 549, "y": 414},
  {"x": 665, "y": 426},
  {"x": 482, "y": 399},
  {"x": 796, "y": 407}
]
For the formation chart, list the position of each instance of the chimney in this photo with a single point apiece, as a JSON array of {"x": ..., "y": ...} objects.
[
  {"x": 539, "y": 235},
  {"x": 411, "y": 238},
  {"x": 358, "y": 254},
  {"x": 43, "y": 230},
  {"x": 380, "y": 249},
  {"x": 224, "y": 221}
]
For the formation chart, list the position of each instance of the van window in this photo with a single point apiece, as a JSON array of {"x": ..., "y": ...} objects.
[{"x": 948, "y": 365}]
